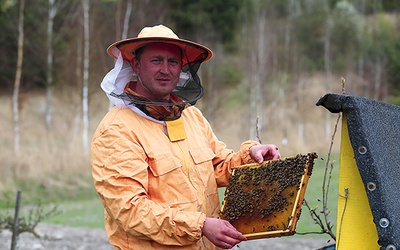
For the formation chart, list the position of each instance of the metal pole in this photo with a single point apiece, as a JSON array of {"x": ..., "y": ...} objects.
[{"x": 14, "y": 238}]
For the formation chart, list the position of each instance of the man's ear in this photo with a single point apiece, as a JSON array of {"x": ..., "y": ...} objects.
[{"x": 135, "y": 65}]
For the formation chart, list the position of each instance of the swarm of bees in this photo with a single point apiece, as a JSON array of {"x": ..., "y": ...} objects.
[{"x": 264, "y": 200}]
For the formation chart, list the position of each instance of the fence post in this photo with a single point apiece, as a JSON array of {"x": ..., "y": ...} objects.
[{"x": 14, "y": 238}]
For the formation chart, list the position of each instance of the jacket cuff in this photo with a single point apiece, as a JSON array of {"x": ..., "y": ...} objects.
[
  {"x": 245, "y": 153},
  {"x": 202, "y": 221}
]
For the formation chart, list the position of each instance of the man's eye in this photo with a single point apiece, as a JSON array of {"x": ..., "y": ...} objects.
[{"x": 155, "y": 60}]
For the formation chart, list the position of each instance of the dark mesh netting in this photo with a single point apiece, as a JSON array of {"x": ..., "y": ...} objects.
[{"x": 188, "y": 89}]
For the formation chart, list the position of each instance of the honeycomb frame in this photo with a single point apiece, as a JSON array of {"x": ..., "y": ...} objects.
[{"x": 264, "y": 200}]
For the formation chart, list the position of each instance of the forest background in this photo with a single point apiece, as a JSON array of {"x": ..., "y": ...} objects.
[{"x": 273, "y": 60}]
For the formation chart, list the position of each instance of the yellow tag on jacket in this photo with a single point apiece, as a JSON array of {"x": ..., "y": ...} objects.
[{"x": 176, "y": 130}]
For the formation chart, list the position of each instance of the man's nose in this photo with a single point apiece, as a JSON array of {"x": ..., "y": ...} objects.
[{"x": 165, "y": 68}]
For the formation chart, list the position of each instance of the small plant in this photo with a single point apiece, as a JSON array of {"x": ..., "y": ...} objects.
[
  {"x": 29, "y": 222},
  {"x": 26, "y": 223},
  {"x": 321, "y": 219}
]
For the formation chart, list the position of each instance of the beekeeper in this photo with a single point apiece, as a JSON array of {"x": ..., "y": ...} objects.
[{"x": 156, "y": 162}]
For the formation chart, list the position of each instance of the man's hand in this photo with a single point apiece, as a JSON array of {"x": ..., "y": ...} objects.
[
  {"x": 264, "y": 152},
  {"x": 221, "y": 233}
]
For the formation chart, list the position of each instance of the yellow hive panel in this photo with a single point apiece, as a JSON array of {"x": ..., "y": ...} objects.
[{"x": 264, "y": 200}]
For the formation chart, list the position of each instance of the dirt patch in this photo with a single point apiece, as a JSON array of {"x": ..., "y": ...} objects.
[
  {"x": 59, "y": 237},
  {"x": 80, "y": 238}
]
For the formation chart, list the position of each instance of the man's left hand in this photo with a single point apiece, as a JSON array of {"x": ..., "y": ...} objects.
[{"x": 264, "y": 152}]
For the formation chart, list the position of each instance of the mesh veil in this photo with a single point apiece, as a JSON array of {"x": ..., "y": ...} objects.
[{"x": 188, "y": 89}]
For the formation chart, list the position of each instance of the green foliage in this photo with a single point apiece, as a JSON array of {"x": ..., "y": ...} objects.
[
  {"x": 8, "y": 46},
  {"x": 216, "y": 19},
  {"x": 393, "y": 55},
  {"x": 297, "y": 34},
  {"x": 346, "y": 29},
  {"x": 5, "y": 4},
  {"x": 231, "y": 74},
  {"x": 394, "y": 99},
  {"x": 309, "y": 31},
  {"x": 390, "y": 5}
]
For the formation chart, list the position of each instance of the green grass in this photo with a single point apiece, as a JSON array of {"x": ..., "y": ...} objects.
[
  {"x": 85, "y": 213},
  {"x": 48, "y": 190},
  {"x": 76, "y": 202},
  {"x": 314, "y": 196}
]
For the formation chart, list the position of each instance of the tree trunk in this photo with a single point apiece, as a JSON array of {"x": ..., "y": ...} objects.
[
  {"x": 378, "y": 77},
  {"x": 258, "y": 63},
  {"x": 49, "y": 84},
  {"x": 18, "y": 74},
  {"x": 292, "y": 12},
  {"x": 360, "y": 72},
  {"x": 85, "y": 87},
  {"x": 128, "y": 13},
  {"x": 328, "y": 73}
]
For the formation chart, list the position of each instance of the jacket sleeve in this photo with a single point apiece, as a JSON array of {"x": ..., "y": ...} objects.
[
  {"x": 225, "y": 158},
  {"x": 120, "y": 173}
]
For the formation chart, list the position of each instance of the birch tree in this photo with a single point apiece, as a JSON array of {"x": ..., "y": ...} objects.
[
  {"x": 85, "y": 87},
  {"x": 49, "y": 83},
  {"x": 328, "y": 70},
  {"x": 258, "y": 62},
  {"x": 128, "y": 13},
  {"x": 294, "y": 9},
  {"x": 125, "y": 29},
  {"x": 18, "y": 74},
  {"x": 361, "y": 56}
]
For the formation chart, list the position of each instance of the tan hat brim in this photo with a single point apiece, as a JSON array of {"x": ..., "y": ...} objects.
[{"x": 193, "y": 51}]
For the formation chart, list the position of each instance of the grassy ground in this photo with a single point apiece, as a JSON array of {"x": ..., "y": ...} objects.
[
  {"x": 87, "y": 213},
  {"x": 314, "y": 196}
]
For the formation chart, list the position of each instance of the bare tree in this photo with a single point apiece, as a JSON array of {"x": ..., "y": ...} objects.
[
  {"x": 128, "y": 13},
  {"x": 328, "y": 70},
  {"x": 18, "y": 76},
  {"x": 293, "y": 11},
  {"x": 53, "y": 8},
  {"x": 85, "y": 87},
  {"x": 378, "y": 88},
  {"x": 258, "y": 63}
]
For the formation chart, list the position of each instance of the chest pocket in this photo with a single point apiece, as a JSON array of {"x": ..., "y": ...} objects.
[
  {"x": 202, "y": 157},
  {"x": 162, "y": 164},
  {"x": 167, "y": 183}
]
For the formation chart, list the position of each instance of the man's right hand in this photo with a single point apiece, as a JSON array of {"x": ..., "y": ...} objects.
[{"x": 221, "y": 233}]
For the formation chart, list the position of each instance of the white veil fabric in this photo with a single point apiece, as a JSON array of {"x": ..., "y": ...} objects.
[
  {"x": 116, "y": 80},
  {"x": 189, "y": 88}
]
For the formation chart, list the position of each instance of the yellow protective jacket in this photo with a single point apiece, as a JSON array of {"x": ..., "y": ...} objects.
[{"x": 157, "y": 193}]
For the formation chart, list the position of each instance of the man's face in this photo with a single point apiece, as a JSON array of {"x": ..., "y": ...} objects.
[{"x": 158, "y": 69}]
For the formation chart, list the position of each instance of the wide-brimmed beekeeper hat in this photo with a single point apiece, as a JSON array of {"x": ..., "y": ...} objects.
[
  {"x": 188, "y": 89},
  {"x": 192, "y": 52}
]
